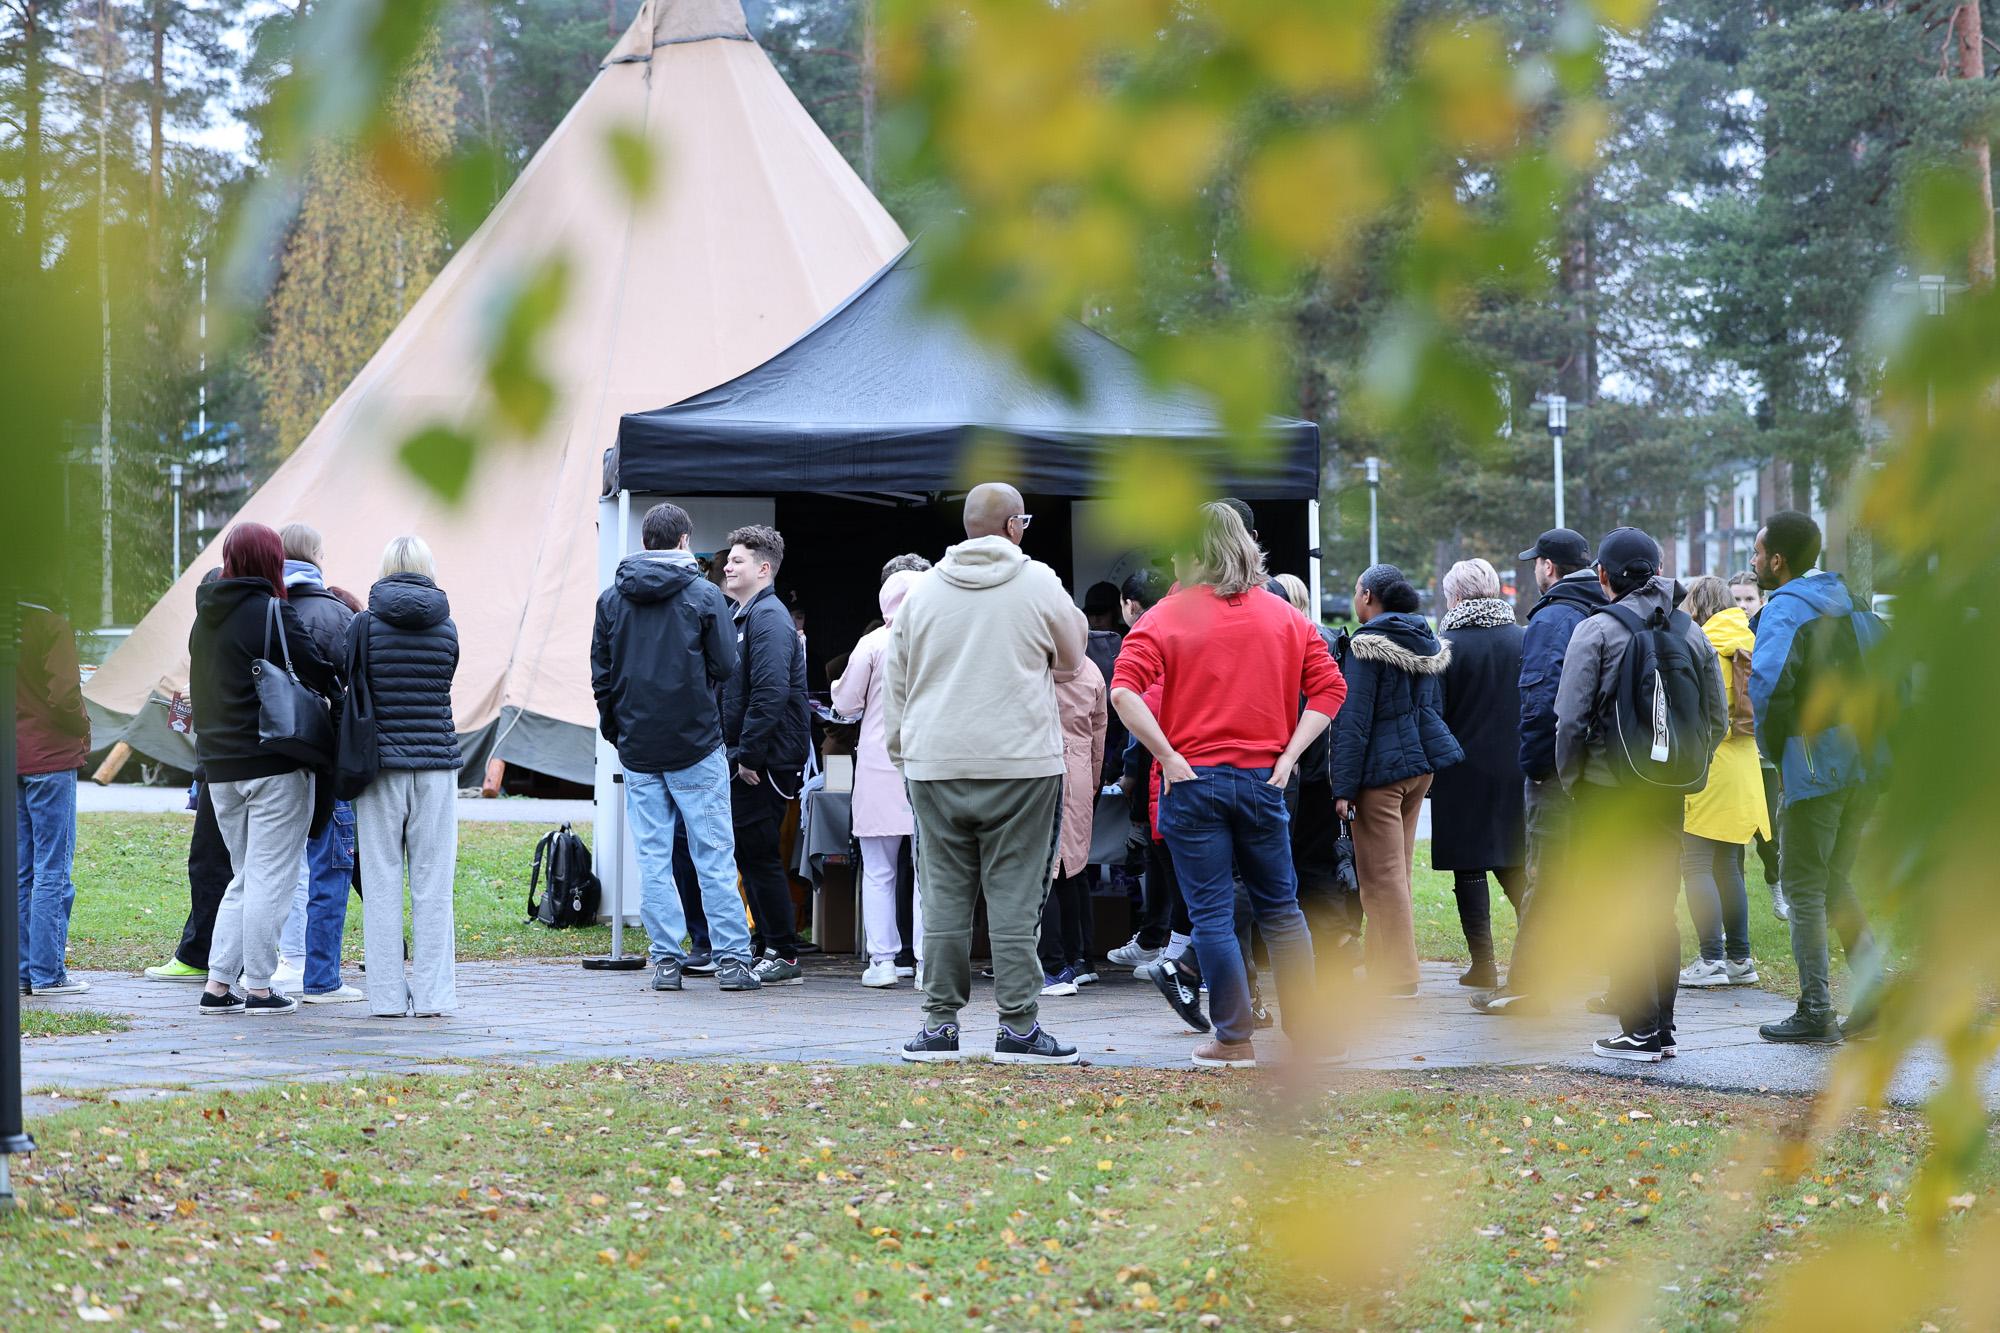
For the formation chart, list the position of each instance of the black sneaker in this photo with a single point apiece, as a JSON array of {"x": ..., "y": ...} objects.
[
  {"x": 1182, "y": 992},
  {"x": 1601, "y": 1004},
  {"x": 1643, "y": 1048},
  {"x": 699, "y": 965},
  {"x": 1669, "y": 1044},
  {"x": 268, "y": 1005},
  {"x": 1803, "y": 1028},
  {"x": 667, "y": 974},
  {"x": 1260, "y": 1015},
  {"x": 1039, "y": 1047},
  {"x": 933, "y": 1045},
  {"x": 735, "y": 974},
  {"x": 776, "y": 971},
  {"x": 229, "y": 1002}
]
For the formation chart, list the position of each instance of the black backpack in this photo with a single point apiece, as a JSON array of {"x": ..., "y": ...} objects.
[
  {"x": 1657, "y": 729},
  {"x": 573, "y": 888}
]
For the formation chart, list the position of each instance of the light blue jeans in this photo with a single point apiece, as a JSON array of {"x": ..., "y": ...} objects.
[
  {"x": 47, "y": 828},
  {"x": 317, "y": 923},
  {"x": 654, "y": 804}
]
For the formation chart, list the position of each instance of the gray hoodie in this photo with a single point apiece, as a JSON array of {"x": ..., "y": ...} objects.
[
  {"x": 1590, "y": 672},
  {"x": 969, "y": 677}
]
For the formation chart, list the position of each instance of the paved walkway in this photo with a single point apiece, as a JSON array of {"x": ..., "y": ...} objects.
[
  {"x": 548, "y": 1012},
  {"x": 129, "y": 798}
]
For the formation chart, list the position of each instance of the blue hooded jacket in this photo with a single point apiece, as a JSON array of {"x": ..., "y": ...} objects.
[{"x": 1808, "y": 628}]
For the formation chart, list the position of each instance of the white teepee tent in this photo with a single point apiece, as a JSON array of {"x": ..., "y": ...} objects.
[{"x": 758, "y": 229}]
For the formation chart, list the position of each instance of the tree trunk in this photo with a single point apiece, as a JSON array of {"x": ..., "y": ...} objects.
[
  {"x": 868, "y": 93},
  {"x": 1967, "y": 32},
  {"x": 156, "y": 115},
  {"x": 31, "y": 136},
  {"x": 104, "y": 35}
]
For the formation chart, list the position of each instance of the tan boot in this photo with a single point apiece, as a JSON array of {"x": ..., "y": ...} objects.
[{"x": 1225, "y": 1055}]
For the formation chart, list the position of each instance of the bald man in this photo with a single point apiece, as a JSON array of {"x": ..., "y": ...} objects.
[{"x": 969, "y": 714}]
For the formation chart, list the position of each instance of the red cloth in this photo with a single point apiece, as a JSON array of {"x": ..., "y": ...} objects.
[
  {"x": 1233, "y": 669},
  {"x": 51, "y": 730}
]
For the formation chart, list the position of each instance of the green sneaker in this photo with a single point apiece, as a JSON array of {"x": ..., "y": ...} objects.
[{"x": 175, "y": 970}]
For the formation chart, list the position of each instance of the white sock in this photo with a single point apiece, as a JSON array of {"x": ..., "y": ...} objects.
[{"x": 1177, "y": 944}]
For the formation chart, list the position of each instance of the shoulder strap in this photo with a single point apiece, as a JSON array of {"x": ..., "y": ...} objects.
[
  {"x": 535, "y": 878},
  {"x": 1624, "y": 615},
  {"x": 275, "y": 616}
]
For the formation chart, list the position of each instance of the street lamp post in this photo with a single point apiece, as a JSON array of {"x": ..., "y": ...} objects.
[
  {"x": 174, "y": 483},
  {"x": 1374, "y": 473},
  {"x": 1558, "y": 407}
]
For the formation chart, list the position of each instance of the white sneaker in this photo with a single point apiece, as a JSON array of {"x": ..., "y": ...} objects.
[
  {"x": 906, "y": 972},
  {"x": 1132, "y": 954},
  {"x": 345, "y": 995},
  {"x": 879, "y": 975},
  {"x": 71, "y": 986},
  {"x": 288, "y": 976},
  {"x": 1781, "y": 907},
  {"x": 1743, "y": 973},
  {"x": 1701, "y": 972}
]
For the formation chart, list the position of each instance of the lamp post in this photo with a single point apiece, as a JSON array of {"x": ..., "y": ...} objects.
[
  {"x": 174, "y": 484},
  {"x": 1374, "y": 474},
  {"x": 1558, "y": 409}
]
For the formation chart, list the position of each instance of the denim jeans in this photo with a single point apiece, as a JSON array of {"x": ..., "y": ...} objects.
[
  {"x": 330, "y": 874},
  {"x": 1717, "y": 898},
  {"x": 47, "y": 826},
  {"x": 1233, "y": 816},
  {"x": 655, "y": 804},
  {"x": 1817, "y": 840}
]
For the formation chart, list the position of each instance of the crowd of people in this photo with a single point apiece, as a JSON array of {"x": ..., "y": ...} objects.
[{"x": 1633, "y": 740}]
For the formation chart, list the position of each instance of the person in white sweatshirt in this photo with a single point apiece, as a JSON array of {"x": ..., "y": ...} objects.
[{"x": 969, "y": 717}]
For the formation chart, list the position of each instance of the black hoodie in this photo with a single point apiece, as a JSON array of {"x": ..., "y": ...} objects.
[
  {"x": 230, "y": 618},
  {"x": 412, "y": 657},
  {"x": 664, "y": 640}
]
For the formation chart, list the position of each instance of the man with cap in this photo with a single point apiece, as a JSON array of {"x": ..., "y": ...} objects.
[
  {"x": 1627, "y": 835},
  {"x": 1570, "y": 592}
]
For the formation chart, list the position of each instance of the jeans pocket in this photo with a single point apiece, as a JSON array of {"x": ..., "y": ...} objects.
[{"x": 340, "y": 849}]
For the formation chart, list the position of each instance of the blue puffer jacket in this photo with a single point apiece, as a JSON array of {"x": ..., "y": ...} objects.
[
  {"x": 1810, "y": 630},
  {"x": 1392, "y": 725},
  {"x": 1561, "y": 609}
]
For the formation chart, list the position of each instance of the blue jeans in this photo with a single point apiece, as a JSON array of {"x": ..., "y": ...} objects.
[
  {"x": 655, "y": 804},
  {"x": 330, "y": 874},
  {"x": 47, "y": 825},
  {"x": 1234, "y": 817}
]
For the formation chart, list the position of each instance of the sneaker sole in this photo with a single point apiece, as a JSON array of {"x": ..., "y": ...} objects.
[
  {"x": 1832, "y": 1039},
  {"x": 1634, "y": 1057},
  {"x": 739, "y": 990},
  {"x": 880, "y": 985},
  {"x": 667, "y": 990},
  {"x": 1023, "y": 1058},
  {"x": 1707, "y": 983},
  {"x": 1067, "y": 988},
  {"x": 331, "y": 999},
  {"x": 933, "y": 1057},
  {"x": 1209, "y": 1062},
  {"x": 291, "y": 1008},
  {"x": 788, "y": 981},
  {"x": 196, "y": 976},
  {"x": 219, "y": 1011},
  {"x": 1750, "y": 980},
  {"x": 38, "y": 992}
]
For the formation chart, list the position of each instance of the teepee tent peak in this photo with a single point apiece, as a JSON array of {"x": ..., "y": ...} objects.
[{"x": 670, "y": 22}]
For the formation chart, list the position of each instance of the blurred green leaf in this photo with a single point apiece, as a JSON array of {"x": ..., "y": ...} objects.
[
  {"x": 633, "y": 161},
  {"x": 441, "y": 458}
]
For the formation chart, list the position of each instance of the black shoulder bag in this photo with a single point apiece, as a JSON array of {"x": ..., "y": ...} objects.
[
  {"x": 292, "y": 720},
  {"x": 357, "y": 758}
]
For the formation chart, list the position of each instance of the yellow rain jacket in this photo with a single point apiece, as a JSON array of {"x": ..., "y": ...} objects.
[{"x": 1731, "y": 807}]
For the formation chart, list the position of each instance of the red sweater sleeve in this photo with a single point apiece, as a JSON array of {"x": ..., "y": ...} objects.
[
  {"x": 1320, "y": 680},
  {"x": 1142, "y": 658}
]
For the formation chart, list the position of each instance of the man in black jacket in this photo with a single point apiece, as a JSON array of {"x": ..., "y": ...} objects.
[
  {"x": 764, "y": 725},
  {"x": 661, "y": 646},
  {"x": 1570, "y": 593}
]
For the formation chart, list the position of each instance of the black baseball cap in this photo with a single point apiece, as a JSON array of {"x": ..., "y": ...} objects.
[
  {"x": 1565, "y": 546},
  {"x": 1628, "y": 553}
]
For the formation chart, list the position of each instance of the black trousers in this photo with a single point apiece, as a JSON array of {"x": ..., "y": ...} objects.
[
  {"x": 906, "y": 895},
  {"x": 1475, "y": 905},
  {"x": 1767, "y": 848},
  {"x": 208, "y": 879},
  {"x": 757, "y": 812},
  {"x": 1628, "y": 842},
  {"x": 1065, "y": 924}
]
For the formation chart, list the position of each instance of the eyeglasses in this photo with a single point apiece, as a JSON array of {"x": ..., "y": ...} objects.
[{"x": 1026, "y": 519}]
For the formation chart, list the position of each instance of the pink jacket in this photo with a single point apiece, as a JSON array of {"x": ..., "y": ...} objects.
[
  {"x": 1080, "y": 702},
  {"x": 881, "y": 806}
]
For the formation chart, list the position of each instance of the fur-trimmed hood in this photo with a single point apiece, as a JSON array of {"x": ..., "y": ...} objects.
[
  {"x": 1478, "y": 613},
  {"x": 1402, "y": 640}
]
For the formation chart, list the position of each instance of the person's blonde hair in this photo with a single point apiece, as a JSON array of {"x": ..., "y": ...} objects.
[
  {"x": 1469, "y": 579},
  {"x": 1296, "y": 592},
  {"x": 303, "y": 542},
  {"x": 1225, "y": 555},
  {"x": 1706, "y": 596},
  {"x": 408, "y": 555}
]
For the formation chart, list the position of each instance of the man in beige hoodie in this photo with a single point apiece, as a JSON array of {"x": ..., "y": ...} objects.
[{"x": 969, "y": 716}]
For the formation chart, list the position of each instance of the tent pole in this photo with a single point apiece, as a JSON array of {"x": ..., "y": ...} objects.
[{"x": 1312, "y": 559}]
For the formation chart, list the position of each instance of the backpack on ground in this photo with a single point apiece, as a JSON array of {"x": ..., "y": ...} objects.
[
  {"x": 573, "y": 891},
  {"x": 1657, "y": 728}
]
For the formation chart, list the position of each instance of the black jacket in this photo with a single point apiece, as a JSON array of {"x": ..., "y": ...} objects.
[
  {"x": 412, "y": 657},
  {"x": 228, "y": 635},
  {"x": 1554, "y": 618},
  {"x": 661, "y": 646},
  {"x": 1102, "y": 649},
  {"x": 764, "y": 717},
  {"x": 1477, "y": 805},
  {"x": 325, "y": 617},
  {"x": 1391, "y": 726}
]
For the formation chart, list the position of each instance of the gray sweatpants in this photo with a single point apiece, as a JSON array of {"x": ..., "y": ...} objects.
[
  {"x": 263, "y": 823},
  {"x": 408, "y": 817},
  {"x": 993, "y": 838}
]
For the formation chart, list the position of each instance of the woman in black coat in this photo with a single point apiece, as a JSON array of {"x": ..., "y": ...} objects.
[{"x": 1477, "y": 806}]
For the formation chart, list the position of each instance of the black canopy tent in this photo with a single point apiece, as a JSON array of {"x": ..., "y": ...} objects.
[{"x": 858, "y": 432}]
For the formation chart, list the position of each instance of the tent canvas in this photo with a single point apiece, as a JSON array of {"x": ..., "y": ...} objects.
[
  {"x": 759, "y": 228},
  {"x": 885, "y": 394}
]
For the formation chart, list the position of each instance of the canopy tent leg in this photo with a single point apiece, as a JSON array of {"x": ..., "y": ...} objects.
[
  {"x": 1312, "y": 557},
  {"x": 609, "y": 790}
]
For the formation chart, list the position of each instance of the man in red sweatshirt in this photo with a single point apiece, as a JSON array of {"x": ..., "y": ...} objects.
[
  {"x": 1234, "y": 661},
  {"x": 51, "y": 740}
]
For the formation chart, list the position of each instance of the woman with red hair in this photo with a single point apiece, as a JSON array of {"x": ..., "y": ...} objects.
[{"x": 263, "y": 801}]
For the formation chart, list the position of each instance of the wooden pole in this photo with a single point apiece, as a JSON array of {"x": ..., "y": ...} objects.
[
  {"x": 1967, "y": 33},
  {"x": 114, "y": 759}
]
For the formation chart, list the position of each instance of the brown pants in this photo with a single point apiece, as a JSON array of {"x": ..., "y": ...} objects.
[{"x": 1385, "y": 849}]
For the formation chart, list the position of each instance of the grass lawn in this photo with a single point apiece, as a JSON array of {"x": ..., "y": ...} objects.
[
  {"x": 39, "y": 1022},
  {"x": 131, "y": 877},
  {"x": 700, "y": 1196}
]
